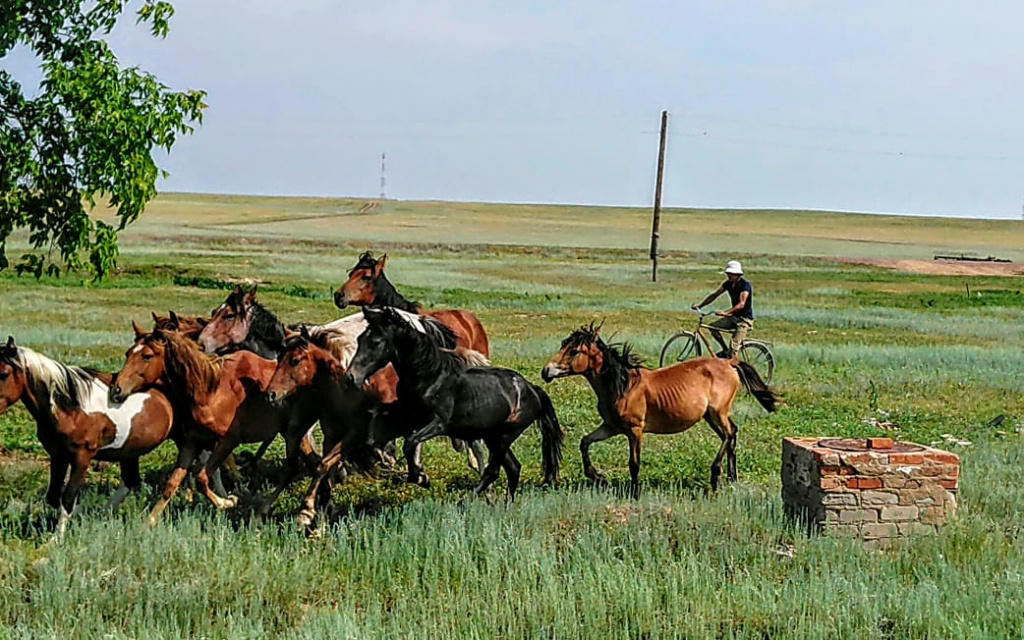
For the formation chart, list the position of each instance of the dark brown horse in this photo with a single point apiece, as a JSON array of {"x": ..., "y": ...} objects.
[
  {"x": 634, "y": 400},
  {"x": 77, "y": 423},
  {"x": 223, "y": 397},
  {"x": 367, "y": 286},
  {"x": 243, "y": 323},
  {"x": 189, "y": 326},
  {"x": 350, "y": 417}
]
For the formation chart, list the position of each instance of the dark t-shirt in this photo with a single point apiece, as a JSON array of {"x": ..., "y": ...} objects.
[{"x": 734, "y": 291}]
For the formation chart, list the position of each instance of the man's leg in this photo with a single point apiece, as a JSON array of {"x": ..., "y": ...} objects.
[
  {"x": 743, "y": 327},
  {"x": 725, "y": 323}
]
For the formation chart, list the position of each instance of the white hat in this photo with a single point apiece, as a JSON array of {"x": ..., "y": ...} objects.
[{"x": 734, "y": 266}]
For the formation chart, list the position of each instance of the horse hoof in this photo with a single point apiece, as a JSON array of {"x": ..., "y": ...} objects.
[
  {"x": 229, "y": 502},
  {"x": 423, "y": 481}
]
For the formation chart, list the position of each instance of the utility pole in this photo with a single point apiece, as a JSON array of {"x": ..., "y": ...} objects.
[
  {"x": 656, "y": 226},
  {"x": 383, "y": 179}
]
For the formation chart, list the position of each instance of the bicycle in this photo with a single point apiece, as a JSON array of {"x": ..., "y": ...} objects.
[{"x": 694, "y": 344}]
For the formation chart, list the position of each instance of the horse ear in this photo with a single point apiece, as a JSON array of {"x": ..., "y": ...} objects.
[
  {"x": 174, "y": 318},
  {"x": 10, "y": 344},
  {"x": 250, "y": 295},
  {"x": 238, "y": 289},
  {"x": 379, "y": 268},
  {"x": 304, "y": 332},
  {"x": 138, "y": 330},
  {"x": 156, "y": 318}
]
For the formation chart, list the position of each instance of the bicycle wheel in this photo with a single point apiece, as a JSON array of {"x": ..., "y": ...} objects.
[
  {"x": 682, "y": 346},
  {"x": 759, "y": 356}
]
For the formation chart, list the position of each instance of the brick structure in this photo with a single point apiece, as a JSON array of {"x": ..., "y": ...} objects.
[{"x": 874, "y": 489}]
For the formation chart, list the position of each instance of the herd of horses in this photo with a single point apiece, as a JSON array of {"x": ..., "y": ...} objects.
[{"x": 391, "y": 371}]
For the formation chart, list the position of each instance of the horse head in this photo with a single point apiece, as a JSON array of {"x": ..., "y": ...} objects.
[
  {"x": 579, "y": 354},
  {"x": 12, "y": 379},
  {"x": 230, "y": 323},
  {"x": 144, "y": 364},
  {"x": 375, "y": 345},
  {"x": 361, "y": 287},
  {"x": 298, "y": 366}
]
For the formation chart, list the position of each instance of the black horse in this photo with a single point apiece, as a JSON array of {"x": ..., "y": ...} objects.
[{"x": 487, "y": 403}]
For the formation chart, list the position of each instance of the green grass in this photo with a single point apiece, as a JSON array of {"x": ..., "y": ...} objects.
[{"x": 852, "y": 343}]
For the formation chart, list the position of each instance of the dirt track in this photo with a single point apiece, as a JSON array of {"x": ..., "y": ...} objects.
[{"x": 945, "y": 267}]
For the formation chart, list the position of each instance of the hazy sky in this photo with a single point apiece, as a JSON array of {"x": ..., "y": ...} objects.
[{"x": 869, "y": 105}]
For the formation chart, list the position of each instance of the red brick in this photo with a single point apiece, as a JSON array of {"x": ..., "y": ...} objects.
[
  {"x": 832, "y": 484},
  {"x": 827, "y": 470},
  {"x": 864, "y": 483},
  {"x": 943, "y": 456},
  {"x": 953, "y": 473},
  {"x": 949, "y": 484},
  {"x": 906, "y": 458},
  {"x": 880, "y": 443}
]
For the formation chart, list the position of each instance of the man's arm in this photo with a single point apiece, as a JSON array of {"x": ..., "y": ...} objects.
[
  {"x": 739, "y": 304},
  {"x": 711, "y": 298}
]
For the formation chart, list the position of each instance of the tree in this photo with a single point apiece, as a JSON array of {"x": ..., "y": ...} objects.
[{"x": 86, "y": 136}]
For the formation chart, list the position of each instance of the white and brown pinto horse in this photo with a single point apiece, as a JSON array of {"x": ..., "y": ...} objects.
[
  {"x": 77, "y": 423},
  {"x": 633, "y": 400}
]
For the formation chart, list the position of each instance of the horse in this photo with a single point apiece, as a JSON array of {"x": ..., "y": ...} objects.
[
  {"x": 633, "y": 400},
  {"x": 367, "y": 286},
  {"x": 350, "y": 415},
  {"x": 222, "y": 396},
  {"x": 488, "y": 403},
  {"x": 76, "y": 423},
  {"x": 189, "y": 326},
  {"x": 243, "y": 323}
]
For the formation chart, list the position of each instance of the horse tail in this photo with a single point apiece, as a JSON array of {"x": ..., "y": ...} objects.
[
  {"x": 469, "y": 357},
  {"x": 551, "y": 435},
  {"x": 753, "y": 383}
]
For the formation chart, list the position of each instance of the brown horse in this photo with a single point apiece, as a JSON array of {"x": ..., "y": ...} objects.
[
  {"x": 243, "y": 323},
  {"x": 189, "y": 326},
  {"x": 634, "y": 400},
  {"x": 223, "y": 396},
  {"x": 351, "y": 417},
  {"x": 76, "y": 423},
  {"x": 367, "y": 286}
]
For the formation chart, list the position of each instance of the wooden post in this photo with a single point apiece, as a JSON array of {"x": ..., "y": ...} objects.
[{"x": 656, "y": 226}]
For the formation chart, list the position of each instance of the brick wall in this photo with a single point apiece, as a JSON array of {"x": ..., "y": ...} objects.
[{"x": 876, "y": 494}]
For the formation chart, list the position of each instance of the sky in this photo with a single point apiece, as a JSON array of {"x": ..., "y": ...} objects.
[{"x": 867, "y": 105}]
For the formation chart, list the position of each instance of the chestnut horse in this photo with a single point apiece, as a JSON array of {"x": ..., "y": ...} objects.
[
  {"x": 351, "y": 417},
  {"x": 223, "y": 397},
  {"x": 76, "y": 423},
  {"x": 243, "y": 323},
  {"x": 633, "y": 400},
  {"x": 367, "y": 286}
]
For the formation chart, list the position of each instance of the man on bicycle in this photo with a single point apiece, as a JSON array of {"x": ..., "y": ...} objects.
[{"x": 740, "y": 318}]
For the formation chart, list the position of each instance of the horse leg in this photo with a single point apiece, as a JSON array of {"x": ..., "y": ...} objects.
[
  {"x": 636, "y": 439},
  {"x": 413, "y": 447},
  {"x": 715, "y": 421},
  {"x": 69, "y": 497},
  {"x": 498, "y": 450},
  {"x": 475, "y": 454},
  {"x": 58, "y": 473},
  {"x": 186, "y": 454},
  {"x": 331, "y": 458},
  {"x": 291, "y": 469},
  {"x": 308, "y": 449},
  {"x": 733, "y": 477},
  {"x": 223, "y": 449},
  {"x": 512, "y": 473},
  {"x": 603, "y": 432},
  {"x": 131, "y": 479}
]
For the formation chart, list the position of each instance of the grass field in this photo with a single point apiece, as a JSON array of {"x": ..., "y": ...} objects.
[{"x": 854, "y": 343}]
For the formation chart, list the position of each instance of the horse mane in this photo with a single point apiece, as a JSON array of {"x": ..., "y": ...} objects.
[
  {"x": 263, "y": 324},
  {"x": 340, "y": 337},
  {"x": 385, "y": 294},
  {"x": 185, "y": 361},
  {"x": 619, "y": 358},
  {"x": 67, "y": 386},
  {"x": 432, "y": 343}
]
